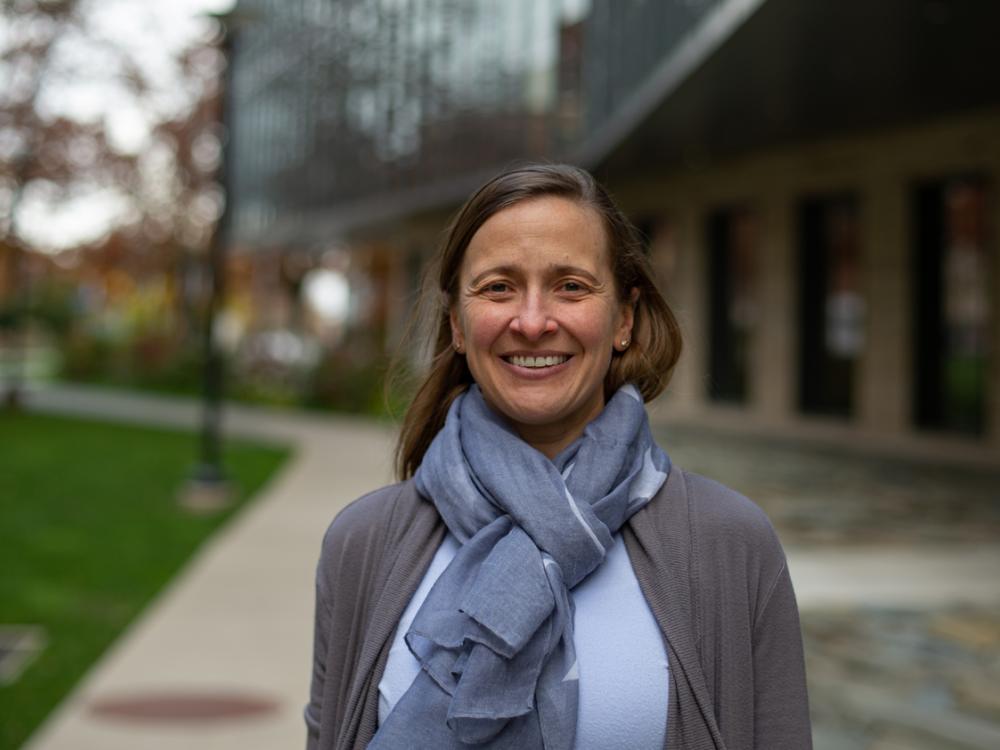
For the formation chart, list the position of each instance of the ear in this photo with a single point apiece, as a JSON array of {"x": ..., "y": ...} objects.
[
  {"x": 457, "y": 339},
  {"x": 623, "y": 334}
]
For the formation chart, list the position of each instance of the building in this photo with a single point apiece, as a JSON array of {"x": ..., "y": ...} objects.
[{"x": 817, "y": 181}]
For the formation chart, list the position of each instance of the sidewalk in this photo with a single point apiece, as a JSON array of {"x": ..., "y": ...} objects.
[{"x": 236, "y": 625}]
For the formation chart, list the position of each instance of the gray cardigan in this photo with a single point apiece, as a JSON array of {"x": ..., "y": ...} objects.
[{"x": 707, "y": 560}]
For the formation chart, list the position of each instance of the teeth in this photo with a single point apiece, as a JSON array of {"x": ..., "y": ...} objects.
[{"x": 538, "y": 361}]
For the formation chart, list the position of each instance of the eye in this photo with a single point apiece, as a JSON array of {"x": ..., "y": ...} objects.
[
  {"x": 573, "y": 287},
  {"x": 495, "y": 289}
]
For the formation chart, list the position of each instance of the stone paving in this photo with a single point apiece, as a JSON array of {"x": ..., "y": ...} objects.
[
  {"x": 891, "y": 678},
  {"x": 829, "y": 496}
]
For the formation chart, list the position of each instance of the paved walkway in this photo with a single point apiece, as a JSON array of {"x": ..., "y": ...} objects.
[{"x": 237, "y": 621}]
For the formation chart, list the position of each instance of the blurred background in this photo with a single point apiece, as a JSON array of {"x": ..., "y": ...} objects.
[{"x": 208, "y": 197}]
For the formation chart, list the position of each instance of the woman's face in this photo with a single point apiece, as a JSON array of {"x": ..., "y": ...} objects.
[{"x": 537, "y": 316}]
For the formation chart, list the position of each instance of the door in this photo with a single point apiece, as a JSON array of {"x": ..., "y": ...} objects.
[
  {"x": 732, "y": 314},
  {"x": 831, "y": 307}
]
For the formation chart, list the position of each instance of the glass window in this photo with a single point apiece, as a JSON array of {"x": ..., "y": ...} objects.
[
  {"x": 732, "y": 298},
  {"x": 832, "y": 307},
  {"x": 952, "y": 320}
]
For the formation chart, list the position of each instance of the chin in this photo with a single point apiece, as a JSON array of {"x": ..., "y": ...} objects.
[
  {"x": 542, "y": 413},
  {"x": 527, "y": 414}
]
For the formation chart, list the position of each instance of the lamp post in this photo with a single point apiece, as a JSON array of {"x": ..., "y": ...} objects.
[{"x": 209, "y": 488}]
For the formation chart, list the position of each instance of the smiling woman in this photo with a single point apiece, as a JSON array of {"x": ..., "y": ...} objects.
[{"x": 543, "y": 577}]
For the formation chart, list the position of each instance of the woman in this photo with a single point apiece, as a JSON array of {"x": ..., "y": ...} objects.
[{"x": 542, "y": 576}]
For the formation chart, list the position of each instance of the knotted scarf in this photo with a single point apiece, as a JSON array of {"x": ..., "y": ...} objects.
[{"x": 494, "y": 636}]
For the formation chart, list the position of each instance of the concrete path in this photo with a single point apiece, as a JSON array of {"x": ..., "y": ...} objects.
[{"x": 238, "y": 620}]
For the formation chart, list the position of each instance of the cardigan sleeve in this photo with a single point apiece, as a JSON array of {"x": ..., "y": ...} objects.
[
  {"x": 350, "y": 545},
  {"x": 781, "y": 703},
  {"x": 312, "y": 710},
  {"x": 321, "y": 631},
  {"x": 746, "y": 621}
]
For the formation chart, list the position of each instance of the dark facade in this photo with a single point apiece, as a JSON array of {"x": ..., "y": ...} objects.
[{"x": 350, "y": 110}]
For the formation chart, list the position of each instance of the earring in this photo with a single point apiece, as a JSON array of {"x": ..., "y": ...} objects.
[
  {"x": 458, "y": 346},
  {"x": 625, "y": 343}
]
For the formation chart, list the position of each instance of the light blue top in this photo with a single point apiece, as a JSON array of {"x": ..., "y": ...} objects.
[{"x": 624, "y": 675}]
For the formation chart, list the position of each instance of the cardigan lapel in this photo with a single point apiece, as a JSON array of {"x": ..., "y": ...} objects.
[{"x": 662, "y": 531}]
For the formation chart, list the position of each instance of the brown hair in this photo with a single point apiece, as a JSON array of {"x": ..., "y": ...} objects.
[{"x": 656, "y": 338}]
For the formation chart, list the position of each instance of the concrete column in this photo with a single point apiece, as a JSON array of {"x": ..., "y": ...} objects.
[
  {"x": 685, "y": 292},
  {"x": 397, "y": 286},
  {"x": 774, "y": 366},
  {"x": 993, "y": 383},
  {"x": 884, "y": 380}
]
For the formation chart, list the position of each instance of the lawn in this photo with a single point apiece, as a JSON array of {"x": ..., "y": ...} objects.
[{"x": 90, "y": 531}]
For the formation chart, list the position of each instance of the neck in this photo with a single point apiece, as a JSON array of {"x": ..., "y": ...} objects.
[
  {"x": 549, "y": 445},
  {"x": 551, "y": 439}
]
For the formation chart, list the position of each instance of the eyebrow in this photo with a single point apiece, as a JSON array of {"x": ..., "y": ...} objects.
[{"x": 556, "y": 270}]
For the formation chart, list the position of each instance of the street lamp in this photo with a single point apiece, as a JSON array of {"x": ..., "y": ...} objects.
[{"x": 209, "y": 488}]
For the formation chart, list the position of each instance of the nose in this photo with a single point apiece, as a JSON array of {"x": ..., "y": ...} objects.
[{"x": 532, "y": 319}]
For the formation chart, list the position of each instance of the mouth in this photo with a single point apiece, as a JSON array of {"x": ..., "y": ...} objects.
[{"x": 536, "y": 362}]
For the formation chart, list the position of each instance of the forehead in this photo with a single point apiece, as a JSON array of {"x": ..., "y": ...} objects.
[{"x": 540, "y": 231}]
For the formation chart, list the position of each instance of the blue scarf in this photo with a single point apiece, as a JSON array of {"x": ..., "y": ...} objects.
[{"x": 495, "y": 635}]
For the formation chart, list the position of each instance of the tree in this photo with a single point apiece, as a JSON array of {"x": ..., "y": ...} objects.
[
  {"x": 29, "y": 41},
  {"x": 93, "y": 124}
]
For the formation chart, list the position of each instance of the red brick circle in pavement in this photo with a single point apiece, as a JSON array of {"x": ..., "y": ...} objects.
[{"x": 183, "y": 706}]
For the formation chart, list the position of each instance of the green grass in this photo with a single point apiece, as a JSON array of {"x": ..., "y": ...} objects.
[{"x": 90, "y": 531}]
